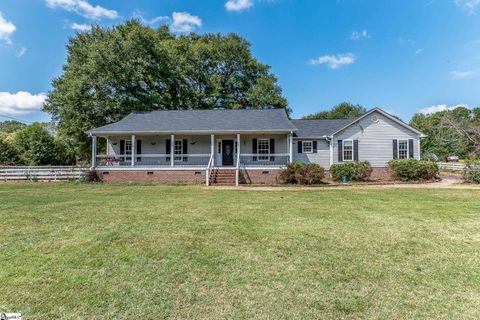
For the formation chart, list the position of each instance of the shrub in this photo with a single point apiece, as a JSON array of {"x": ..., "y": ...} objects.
[
  {"x": 353, "y": 171},
  {"x": 302, "y": 173},
  {"x": 471, "y": 173},
  {"x": 311, "y": 173},
  {"x": 91, "y": 176},
  {"x": 413, "y": 170}
]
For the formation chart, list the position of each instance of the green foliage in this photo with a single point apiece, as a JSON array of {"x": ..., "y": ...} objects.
[
  {"x": 343, "y": 110},
  {"x": 11, "y": 126},
  {"x": 111, "y": 72},
  {"x": 9, "y": 154},
  {"x": 301, "y": 173},
  {"x": 447, "y": 131},
  {"x": 413, "y": 170},
  {"x": 37, "y": 146},
  {"x": 353, "y": 171},
  {"x": 471, "y": 173}
]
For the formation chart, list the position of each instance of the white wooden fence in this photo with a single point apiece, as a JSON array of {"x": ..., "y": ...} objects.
[
  {"x": 41, "y": 173},
  {"x": 451, "y": 166}
]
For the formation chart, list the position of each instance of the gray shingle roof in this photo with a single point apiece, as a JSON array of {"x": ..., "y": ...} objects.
[
  {"x": 319, "y": 128},
  {"x": 271, "y": 120}
]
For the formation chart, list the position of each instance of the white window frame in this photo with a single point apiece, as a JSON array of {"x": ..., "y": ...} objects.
[
  {"x": 343, "y": 151},
  {"x": 128, "y": 150},
  {"x": 178, "y": 158},
  {"x": 408, "y": 149},
  {"x": 311, "y": 146},
  {"x": 263, "y": 156}
]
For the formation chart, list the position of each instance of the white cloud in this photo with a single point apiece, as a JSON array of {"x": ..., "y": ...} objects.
[
  {"x": 138, "y": 15},
  {"x": 80, "y": 26},
  {"x": 468, "y": 5},
  {"x": 83, "y": 8},
  {"x": 21, "y": 52},
  {"x": 184, "y": 22},
  {"x": 334, "y": 62},
  {"x": 6, "y": 29},
  {"x": 238, "y": 5},
  {"x": 442, "y": 107},
  {"x": 21, "y": 102},
  {"x": 462, "y": 74},
  {"x": 418, "y": 51},
  {"x": 357, "y": 35}
]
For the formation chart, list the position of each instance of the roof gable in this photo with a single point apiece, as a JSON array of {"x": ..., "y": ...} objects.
[{"x": 386, "y": 114}]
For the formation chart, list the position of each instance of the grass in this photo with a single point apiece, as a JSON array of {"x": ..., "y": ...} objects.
[{"x": 74, "y": 251}]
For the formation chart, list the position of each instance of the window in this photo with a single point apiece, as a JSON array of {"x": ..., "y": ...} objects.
[
  {"x": 347, "y": 150},
  {"x": 402, "y": 149},
  {"x": 307, "y": 146},
  {"x": 128, "y": 149},
  {"x": 178, "y": 149},
  {"x": 263, "y": 147}
]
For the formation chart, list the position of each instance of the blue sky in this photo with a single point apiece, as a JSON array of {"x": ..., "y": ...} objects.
[{"x": 402, "y": 56}]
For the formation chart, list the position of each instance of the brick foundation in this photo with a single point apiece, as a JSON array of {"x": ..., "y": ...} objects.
[
  {"x": 263, "y": 176},
  {"x": 381, "y": 174},
  {"x": 159, "y": 176}
]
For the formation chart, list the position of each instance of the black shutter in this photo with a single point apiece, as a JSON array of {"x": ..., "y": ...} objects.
[
  {"x": 355, "y": 150},
  {"x": 395, "y": 152},
  {"x": 139, "y": 149},
  {"x": 272, "y": 149},
  {"x": 340, "y": 151},
  {"x": 254, "y": 149},
  {"x": 410, "y": 148},
  {"x": 122, "y": 150},
  {"x": 168, "y": 148},
  {"x": 185, "y": 149},
  {"x": 299, "y": 146},
  {"x": 314, "y": 146}
]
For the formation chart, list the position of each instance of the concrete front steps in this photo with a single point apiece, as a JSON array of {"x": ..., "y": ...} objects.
[{"x": 222, "y": 177}]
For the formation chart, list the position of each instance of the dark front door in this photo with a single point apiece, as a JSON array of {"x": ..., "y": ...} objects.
[{"x": 227, "y": 152}]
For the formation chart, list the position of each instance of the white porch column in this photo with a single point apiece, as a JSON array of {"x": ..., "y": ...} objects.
[
  {"x": 134, "y": 149},
  {"x": 237, "y": 171},
  {"x": 212, "y": 148},
  {"x": 172, "y": 150},
  {"x": 290, "y": 151},
  {"x": 108, "y": 146},
  {"x": 94, "y": 151}
]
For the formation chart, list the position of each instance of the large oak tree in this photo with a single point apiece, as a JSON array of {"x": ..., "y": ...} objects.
[{"x": 111, "y": 72}]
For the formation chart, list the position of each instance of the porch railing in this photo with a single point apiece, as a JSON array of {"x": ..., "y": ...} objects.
[
  {"x": 190, "y": 160},
  {"x": 156, "y": 160},
  {"x": 264, "y": 160}
]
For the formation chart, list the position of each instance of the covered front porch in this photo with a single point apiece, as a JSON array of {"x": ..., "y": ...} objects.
[{"x": 192, "y": 152}]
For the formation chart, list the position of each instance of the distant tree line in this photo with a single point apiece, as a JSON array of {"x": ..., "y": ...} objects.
[
  {"x": 450, "y": 133},
  {"x": 34, "y": 144}
]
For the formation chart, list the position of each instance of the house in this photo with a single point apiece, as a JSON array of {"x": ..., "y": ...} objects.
[{"x": 243, "y": 146}]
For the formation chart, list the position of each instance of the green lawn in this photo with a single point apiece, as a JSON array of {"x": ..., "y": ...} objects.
[{"x": 76, "y": 251}]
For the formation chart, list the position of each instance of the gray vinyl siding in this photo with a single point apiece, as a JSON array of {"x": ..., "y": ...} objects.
[
  {"x": 321, "y": 157},
  {"x": 375, "y": 140}
]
